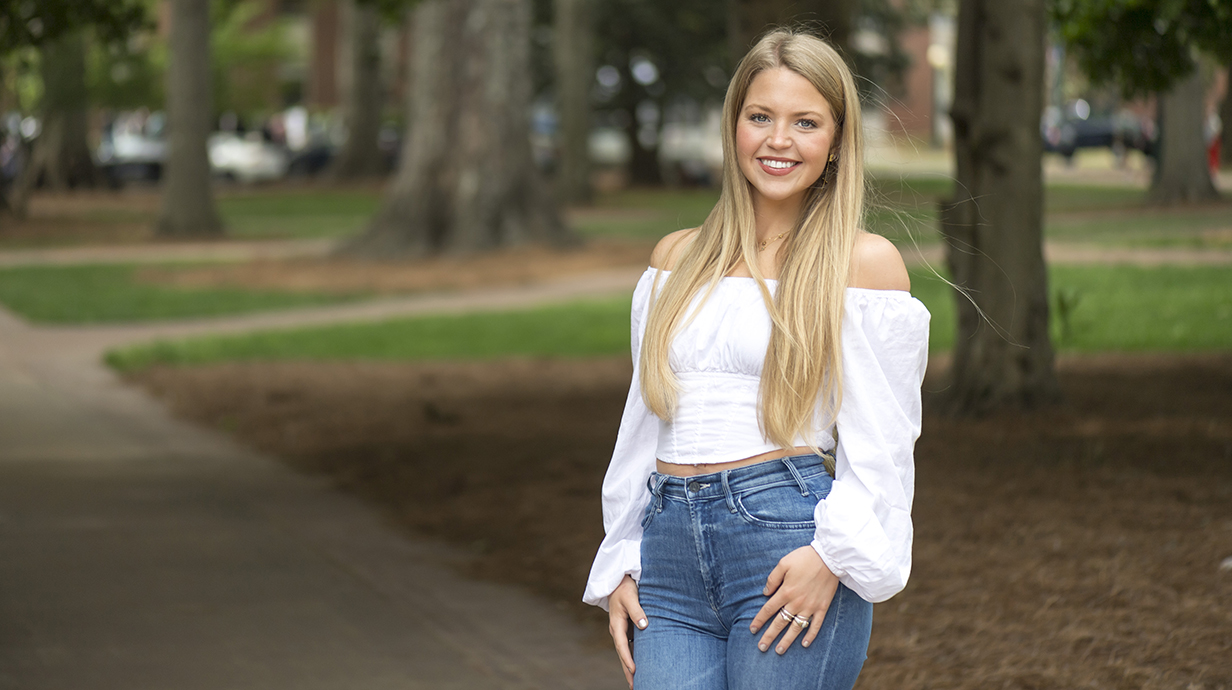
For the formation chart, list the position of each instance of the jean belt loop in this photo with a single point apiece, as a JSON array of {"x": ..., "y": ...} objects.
[
  {"x": 657, "y": 489},
  {"x": 791, "y": 466},
  {"x": 727, "y": 492}
]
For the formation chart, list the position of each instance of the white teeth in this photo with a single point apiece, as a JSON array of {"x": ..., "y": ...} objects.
[{"x": 777, "y": 164}]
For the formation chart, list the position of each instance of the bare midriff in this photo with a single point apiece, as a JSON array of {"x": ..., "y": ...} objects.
[{"x": 694, "y": 470}]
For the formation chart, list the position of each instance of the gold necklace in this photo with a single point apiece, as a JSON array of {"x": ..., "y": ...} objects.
[{"x": 766, "y": 243}]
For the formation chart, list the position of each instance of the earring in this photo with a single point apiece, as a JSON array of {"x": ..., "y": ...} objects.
[{"x": 832, "y": 158}]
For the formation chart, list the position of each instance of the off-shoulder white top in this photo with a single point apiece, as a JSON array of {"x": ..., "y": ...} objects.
[{"x": 864, "y": 529}]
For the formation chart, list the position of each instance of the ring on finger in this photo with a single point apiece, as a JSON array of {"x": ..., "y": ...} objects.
[
  {"x": 802, "y": 621},
  {"x": 786, "y": 615}
]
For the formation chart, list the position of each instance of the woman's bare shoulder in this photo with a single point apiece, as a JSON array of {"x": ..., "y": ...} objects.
[
  {"x": 669, "y": 248},
  {"x": 876, "y": 264}
]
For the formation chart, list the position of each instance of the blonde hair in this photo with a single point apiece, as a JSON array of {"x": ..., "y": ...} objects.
[{"x": 803, "y": 361}]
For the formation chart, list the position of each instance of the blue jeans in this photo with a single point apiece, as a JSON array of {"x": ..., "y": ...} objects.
[{"x": 708, "y": 545}]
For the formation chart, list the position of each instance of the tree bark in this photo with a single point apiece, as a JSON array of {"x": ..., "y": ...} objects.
[
  {"x": 1002, "y": 355},
  {"x": 363, "y": 97},
  {"x": 1225, "y": 116},
  {"x": 187, "y": 207},
  {"x": 467, "y": 181},
  {"x": 1181, "y": 172},
  {"x": 575, "y": 70},
  {"x": 748, "y": 19},
  {"x": 60, "y": 158}
]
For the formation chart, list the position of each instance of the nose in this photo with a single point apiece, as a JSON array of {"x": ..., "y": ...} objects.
[{"x": 780, "y": 136}]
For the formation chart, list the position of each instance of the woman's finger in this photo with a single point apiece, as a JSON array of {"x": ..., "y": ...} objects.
[
  {"x": 793, "y": 630},
  {"x": 767, "y": 612},
  {"x": 814, "y": 628},
  {"x": 772, "y": 631},
  {"x": 618, "y": 626},
  {"x": 775, "y": 579}
]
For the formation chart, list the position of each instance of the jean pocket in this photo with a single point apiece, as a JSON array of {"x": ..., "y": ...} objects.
[
  {"x": 779, "y": 506},
  {"x": 649, "y": 513}
]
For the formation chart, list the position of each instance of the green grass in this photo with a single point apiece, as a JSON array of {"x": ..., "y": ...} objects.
[
  {"x": 1115, "y": 308},
  {"x": 581, "y": 329},
  {"x": 310, "y": 213},
  {"x": 904, "y": 209},
  {"x": 646, "y": 213},
  {"x": 1171, "y": 308},
  {"x": 102, "y": 293}
]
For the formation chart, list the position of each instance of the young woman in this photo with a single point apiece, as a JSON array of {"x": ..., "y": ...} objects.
[{"x": 760, "y": 492}]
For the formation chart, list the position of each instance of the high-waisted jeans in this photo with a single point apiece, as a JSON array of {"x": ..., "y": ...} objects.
[{"x": 708, "y": 545}]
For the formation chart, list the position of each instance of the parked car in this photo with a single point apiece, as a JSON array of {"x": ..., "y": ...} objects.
[
  {"x": 133, "y": 148},
  {"x": 1078, "y": 128},
  {"x": 247, "y": 158}
]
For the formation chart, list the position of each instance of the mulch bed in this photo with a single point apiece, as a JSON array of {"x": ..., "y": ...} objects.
[{"x": 1078, "y": 546}]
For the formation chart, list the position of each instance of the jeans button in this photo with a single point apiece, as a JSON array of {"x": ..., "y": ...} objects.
[{"x": 694, "y": 487}]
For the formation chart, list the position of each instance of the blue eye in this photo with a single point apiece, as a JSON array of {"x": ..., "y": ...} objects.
[
  {"x": 808, "y": 123},
  {"x": 754, "y": 117}
]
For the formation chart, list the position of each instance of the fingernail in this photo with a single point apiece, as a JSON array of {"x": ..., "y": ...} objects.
[
  {"x": 753, "y": 629},
  {"x": 780, "y": 650},
  {"x": 763, "y": 646},
  {"x": 642, "y": 624},
  {"x": 804, "y": 643}
]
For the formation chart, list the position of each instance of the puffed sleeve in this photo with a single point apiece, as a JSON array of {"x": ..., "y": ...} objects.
[
  {"x": 864, "y": 529},
  {"x": 625, "y": 494}
]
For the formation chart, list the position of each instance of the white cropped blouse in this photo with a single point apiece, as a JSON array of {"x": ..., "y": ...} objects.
[{"x": 864, "y": 529}]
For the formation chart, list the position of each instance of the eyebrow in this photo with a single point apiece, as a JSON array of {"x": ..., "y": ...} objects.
[{"x": 758, "y": 106}]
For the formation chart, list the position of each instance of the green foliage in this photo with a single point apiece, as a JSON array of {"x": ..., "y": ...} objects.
[
  {"x": 127, "y": 74},
  {"x": 93, "y": 294},
  {"x": 246, "y": 55},
  {"x": 1143, "y": 46},
  {"x": 392, "y": 11},
  {"x": 25, "y": 23}
]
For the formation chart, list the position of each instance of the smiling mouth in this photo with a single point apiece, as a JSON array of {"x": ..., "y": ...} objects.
[{"x": 778, "y": 165}]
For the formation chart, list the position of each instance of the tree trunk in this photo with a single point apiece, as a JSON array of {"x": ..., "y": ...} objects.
[
  {"x": 748, "y": 19},
  {"x": 1002, "y": 354},
  {"x": 61, "y": 156},
  {"x": 187, "y": 207},
  {"x": 1181, "y": 172},
  {"x": 363, "y": 97},
  {"x": 1225, "y": 116},
  {"x": 575, "y": 74},
  {"x": 467, "y": 180}
]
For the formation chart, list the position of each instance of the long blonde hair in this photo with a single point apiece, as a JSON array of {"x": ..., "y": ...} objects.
[{"x": 803, "y": 361}]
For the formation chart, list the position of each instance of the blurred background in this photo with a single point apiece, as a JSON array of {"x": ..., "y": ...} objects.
[{"x": 390, "y": 244}]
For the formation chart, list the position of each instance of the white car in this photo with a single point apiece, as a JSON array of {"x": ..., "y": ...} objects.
[{"x": 247, "y": 159}]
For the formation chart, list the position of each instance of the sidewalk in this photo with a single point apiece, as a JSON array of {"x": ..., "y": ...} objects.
[{"x": 141, "y": 552}]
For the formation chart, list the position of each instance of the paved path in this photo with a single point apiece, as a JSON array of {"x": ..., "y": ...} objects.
[{"x": 141, "y": 552}]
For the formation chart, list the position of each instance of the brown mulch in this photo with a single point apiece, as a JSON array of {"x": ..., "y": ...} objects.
[{"x": 1078, "y": 546}]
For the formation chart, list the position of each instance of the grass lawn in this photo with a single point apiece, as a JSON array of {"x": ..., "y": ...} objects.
[
  {"x": 590, "y": 328},
  {"x": 299, "y": 213},
  {"x": 1113, "y": 309},
  {"x": 92, "y": 294},
  {"x": 905, "y": 210}
]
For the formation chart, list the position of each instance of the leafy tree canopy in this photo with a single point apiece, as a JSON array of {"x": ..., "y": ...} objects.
[
  {"x": 25, "y": 23},
  {"x": 1143, "y": 46}
]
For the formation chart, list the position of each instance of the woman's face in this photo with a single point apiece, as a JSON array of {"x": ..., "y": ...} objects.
[{"x": 784, "y": 134}]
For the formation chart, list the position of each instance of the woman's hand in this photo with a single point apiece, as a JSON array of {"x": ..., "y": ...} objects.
[
  {"x": 803, "y": 585},
  {"x": 623, "y": 607}
]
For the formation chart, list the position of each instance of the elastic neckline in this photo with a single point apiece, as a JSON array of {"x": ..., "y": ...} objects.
[{"x": 878, "y": 291}]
